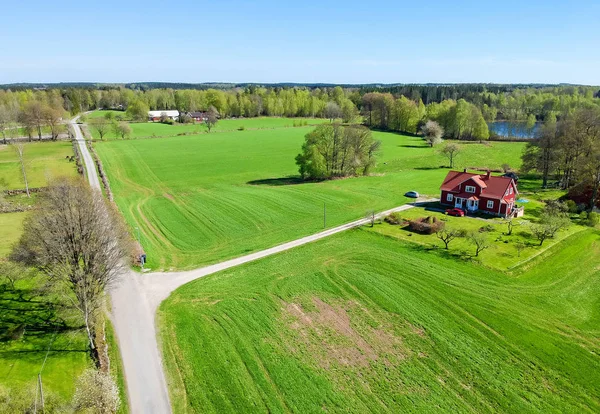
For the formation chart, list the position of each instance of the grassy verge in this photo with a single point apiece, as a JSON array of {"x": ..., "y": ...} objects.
[
  {"x": 116, "y": 366},
  {"x": 363, "y": 323}
]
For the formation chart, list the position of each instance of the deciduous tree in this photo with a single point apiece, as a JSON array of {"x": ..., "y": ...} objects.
[
  {"x": 450, "y": 151},
  {"x": 432, "y": 132},
  {"x": 77, "y": 240}
]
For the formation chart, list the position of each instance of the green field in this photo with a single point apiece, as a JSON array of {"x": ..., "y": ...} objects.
[
  {"x": 156, "y": 129},
  {"x": 360, "y": 322},
  {"x": 43, "y": 160},
  {"x": 204, "y": 198}
]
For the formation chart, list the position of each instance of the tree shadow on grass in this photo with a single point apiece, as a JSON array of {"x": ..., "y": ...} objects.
[
  {"x": 24, "y": 313},
  {"x": 276, "y": 182},
  {"x": 414, "y": 146}
]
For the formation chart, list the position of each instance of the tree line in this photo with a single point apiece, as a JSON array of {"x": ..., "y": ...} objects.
[
  {"x": 461, "y": 110},
  {"x": 566, "y": 151}
]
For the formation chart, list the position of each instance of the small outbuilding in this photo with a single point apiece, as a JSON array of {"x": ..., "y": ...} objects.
[{"x": 154, "y": 116}]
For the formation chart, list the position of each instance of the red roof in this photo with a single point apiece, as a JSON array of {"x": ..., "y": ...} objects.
[{"x": 491, "y": 186}]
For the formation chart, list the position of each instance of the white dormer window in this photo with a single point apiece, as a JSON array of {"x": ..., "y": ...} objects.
[
  {"x": 470, "y": 189},
  {"x": 449, "y": 197}
]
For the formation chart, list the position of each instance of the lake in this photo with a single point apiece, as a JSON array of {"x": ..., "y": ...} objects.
[{"x": 512, "y": 129}]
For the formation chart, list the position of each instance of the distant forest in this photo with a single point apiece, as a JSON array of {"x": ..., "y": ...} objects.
[{"x": 461, "y": 110}]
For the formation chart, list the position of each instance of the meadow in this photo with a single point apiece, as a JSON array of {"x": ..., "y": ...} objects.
[
  {"x": 43, "y": 160},
  {"x": 362, "y": 322},
  {"x": 200, "y": 199},
  {"x": 159, "y": 130}
]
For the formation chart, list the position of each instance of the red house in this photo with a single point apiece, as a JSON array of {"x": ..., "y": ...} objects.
[{"x": 485, "y": 193}]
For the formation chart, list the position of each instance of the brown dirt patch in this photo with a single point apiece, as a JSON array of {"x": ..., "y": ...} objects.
[
  {"x": 168, "y": 196},
  {"x": 331, "y": 336}
]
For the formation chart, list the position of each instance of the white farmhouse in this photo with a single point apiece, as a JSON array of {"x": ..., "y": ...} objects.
[{"x": 155, "y": 115}]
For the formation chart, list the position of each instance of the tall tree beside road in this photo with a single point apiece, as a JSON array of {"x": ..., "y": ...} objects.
[
  {"x": 77, "y": 240},
  {"x": 101, "y": 126}
]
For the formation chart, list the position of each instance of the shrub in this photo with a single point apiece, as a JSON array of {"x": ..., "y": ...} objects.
[
  {"x": 571, "y": 206},
  {"x": 583, "y": 216},
  {"x": 487, "y": 228},
  {"x": 593, "y": 219},
  {"x": 242, "y": 128},
  {"x": 394, "y": 218},
  {"x": 426, "y": 225}
]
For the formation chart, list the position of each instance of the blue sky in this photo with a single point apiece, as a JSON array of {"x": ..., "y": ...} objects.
[{"x": 303, "y": 41}]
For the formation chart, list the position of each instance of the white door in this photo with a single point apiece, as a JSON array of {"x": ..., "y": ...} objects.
[{"x": 459, "y": 203}]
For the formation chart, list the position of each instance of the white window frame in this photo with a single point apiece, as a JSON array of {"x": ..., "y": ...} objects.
[
  {"x": 492, "y": 204},
  {"x": 470, "y": 189},
  {"x": 449, "y": 197}
]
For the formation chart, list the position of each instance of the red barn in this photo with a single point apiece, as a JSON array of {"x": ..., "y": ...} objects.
[{"x": 485, "y": 193}]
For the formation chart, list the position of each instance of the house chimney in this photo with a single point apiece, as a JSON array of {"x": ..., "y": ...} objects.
[
  {"x": 465, "y": 170},
  {"x": 489, "y": 173}
]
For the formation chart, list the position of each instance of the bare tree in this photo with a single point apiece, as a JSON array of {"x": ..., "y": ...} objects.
[
  {"x": 450, "y": 151},
  {"x": 53, "y": 118},
  {"x": 124, "y": 130},
  {"x": 212, "y": 117},
  {"x": 20, "y": 150},
  {"x": 480, "y": 241},
  {"x": 34, "y": 115},
  {"x": 447, "y": 235},
  {"x": 332, "y": 111},
  {"x": 77, "y": 240},
  {"x": 432, "y": 133},
  {"x": 101, "y": 126},
  {"x": 5, "y": 121}
]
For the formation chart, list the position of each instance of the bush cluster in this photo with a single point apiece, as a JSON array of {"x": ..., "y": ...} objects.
[
  {"x": 394, "y": 218},
  {"x": 426, "y": 225}
]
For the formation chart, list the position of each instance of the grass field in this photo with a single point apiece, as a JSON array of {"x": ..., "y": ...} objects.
[
  {"x": 362, "y": 322},
  {"x": 156, "y": 129},
  {"x": 204, "y": 198},
  {"x": 43, "y": 160}
]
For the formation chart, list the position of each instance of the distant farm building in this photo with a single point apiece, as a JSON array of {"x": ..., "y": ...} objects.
[
  {"x": 484, "y": 193},
  {"x": 197, "y": 116},
  {"x": 156, "y": 115}
]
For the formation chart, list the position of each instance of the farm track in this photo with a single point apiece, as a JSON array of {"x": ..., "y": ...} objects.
[{"x": 136, "y": 298}]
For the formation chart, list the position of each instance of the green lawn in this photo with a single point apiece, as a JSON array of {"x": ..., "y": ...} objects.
[
  {"x": 503, "y": 252},
  {"x": 360, "y": 322},
  {"x": 11, "y": 226},
  {"x": 204, "y": 198},
  {"x": 43, "y": 160},
  {"x": 33, "y": 325},
  {"x": 156, "y": 129}
]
